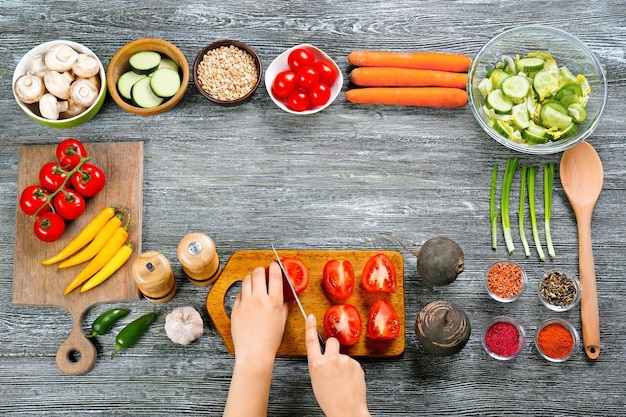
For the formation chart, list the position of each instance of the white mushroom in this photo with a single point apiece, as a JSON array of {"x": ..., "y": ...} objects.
[
  {"x": 61, "y": 57},
  {"x": 29, "y": 89},
  {"x": 58, "y": 84},
  {"x": 37, "y": 67},
  {"x": 183, "y": 325},
  {"x": 50, "y": 108},
  {"x": 85, "y": 66},
  {"x": 73, "y": 109},
  {"x": 83, "y": 92}
]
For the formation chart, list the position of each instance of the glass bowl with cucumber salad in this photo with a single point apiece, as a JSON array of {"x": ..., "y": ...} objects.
[{"x": 537, "y": 89}]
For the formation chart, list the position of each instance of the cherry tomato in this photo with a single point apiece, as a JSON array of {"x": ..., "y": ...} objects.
[
  {"x": 338, "y": 279},
  {"x": 89, "y": 180},
  {"x": 300, "y": 58},
  {"x": 343, "y": 322},
  {"x": 299, "y": 274},
  {"x": 379, "y": 275},
  {"x": 326, "y": 71},
  {"x": 69, "y": 152},
  {"x": 307, "y": 76},
  {"x": 298, "y": 100},
  {"x": 51, "y": 176},
  {"x": 34, "y": 198},
  {"x": 319, "y": 94},
  {"x": 284, "y": 83},
  {"x": 49, "y": 227},
  {"x": 69, "y": 204},
  {"x": 383, "y": 322}
]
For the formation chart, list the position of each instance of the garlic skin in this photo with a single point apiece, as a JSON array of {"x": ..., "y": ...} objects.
[{"x": 184, "y": 325}]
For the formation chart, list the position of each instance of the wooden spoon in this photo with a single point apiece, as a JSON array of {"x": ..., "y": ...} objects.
[{"x": 581, "y": 176}]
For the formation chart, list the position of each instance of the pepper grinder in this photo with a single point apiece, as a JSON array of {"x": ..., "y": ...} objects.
[
  {"x": 197, "y": 254},
  {"x": 154, "y": 277}
]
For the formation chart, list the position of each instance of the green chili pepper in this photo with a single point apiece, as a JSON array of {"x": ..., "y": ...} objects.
[
  {"x": 105, "y": 321},
  {"x": 132, "y": 332}
]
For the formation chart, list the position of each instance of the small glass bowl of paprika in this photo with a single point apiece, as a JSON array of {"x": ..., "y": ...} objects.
[
  {"x": 559, "y": 291},
  {"x": 556, "y": 340},
  {"x": 504, "y": 338},
  {"x": 505, "y": 281}
]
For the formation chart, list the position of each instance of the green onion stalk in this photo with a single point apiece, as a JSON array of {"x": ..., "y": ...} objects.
[
  {"x": 520, "y": 213},
  {"x": 492, "y": 211},
  {"x": 509, "y": 173},
  {"x": 532, "y": 173},
  {"x": 548, "y": 179}
]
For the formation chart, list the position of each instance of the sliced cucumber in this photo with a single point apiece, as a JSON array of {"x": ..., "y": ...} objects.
[
  {"x": 503, "y": 128},
  {"x": 566, "y": 75},
  {"x": 577, "y": 112},
  {"x": 519, "y": 116},
  {"x": 529, "y": 65},
  {"x": 498, "y": 75},
  {"x": 126, "y": 81},
  {"x": 545, "y": 84},
  {"x": 145, "y": 62},
  {"x": 552, "y": 115},
  {"x": 516, "y": 87},
  {"x": 143, "y": 96},
  {"x": 165, "y": 82},
  {"x": 569, "y": 130},
  {"x": 535, "y": 134},
  {"x": 499, "y": 102}
]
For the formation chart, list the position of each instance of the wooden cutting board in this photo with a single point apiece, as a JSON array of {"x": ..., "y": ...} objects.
[
  {"x": 313, "y": 299},
  {"x": 36, "y": 284}
]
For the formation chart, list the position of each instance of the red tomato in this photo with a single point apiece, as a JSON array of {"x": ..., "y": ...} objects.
[
  {"x": 299, "y": 274},
  {"x": 319, "y": 94},
  {"x": 307, "y": 76},
  {"x": 300, "y": 58},
  {"x": 327, "y": 71},
  {"x": 49, "y": 227},
  {"x": 298, "y": 100},
  {"x": 383, "y": 322},
  {"x": 69, "y": 204},
  {"x": 89, "y": 180},
  {"x": 51, "y": 176},
  {"x": 379, "y": 275},
  {"x": 343, "y": 322},
  {"x": 34, "y": 198},
  {"x": 69, "y": 152},
  {"x": 338, "y": 279},
  {"x": 284, "y": 83}
]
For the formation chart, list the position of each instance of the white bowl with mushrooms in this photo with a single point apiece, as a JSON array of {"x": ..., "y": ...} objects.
[{"x": 60, "y": 84}]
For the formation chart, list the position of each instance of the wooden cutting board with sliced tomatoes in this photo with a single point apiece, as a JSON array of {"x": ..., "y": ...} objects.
[
  {"x": 313, "y": 298},
  {"x": 36, "y": 284}
]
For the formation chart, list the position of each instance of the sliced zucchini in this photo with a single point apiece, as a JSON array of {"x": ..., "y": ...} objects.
[
  {"x": 143, "y": 96},
  {"x": 126, "y": 81},
  {"x": 531, "y": 64},
  {"x": 516, "y": 87},
  {"x": 499, "y": 102},
  {"x": 145, "y": 62},
  {"x": 168, "y": 63},
  {"x": 165, "y": 82}
]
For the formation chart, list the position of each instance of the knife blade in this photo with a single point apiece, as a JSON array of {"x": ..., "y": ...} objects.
[{"x": 295, "y": 295}]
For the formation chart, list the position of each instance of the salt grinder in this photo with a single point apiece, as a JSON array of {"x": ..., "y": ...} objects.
[
  {"x": 154, "y": 277},
  {"x": 197, "y": 255}
]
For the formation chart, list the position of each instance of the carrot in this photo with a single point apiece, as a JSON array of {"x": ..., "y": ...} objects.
[
  {"x": 419, "y": 60},
  {"x": 406, "y": 77},
  {"x": 409, "y": 96}
]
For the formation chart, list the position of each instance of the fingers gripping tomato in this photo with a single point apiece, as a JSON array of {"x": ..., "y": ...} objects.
[
  {"x": 299, "y": 274},
  {"x": 69, "y": 204},
  {"x": 89, "y": 180},
  {"x": 34, "y": 199},
  {"x": 49, "y": 227},
  {"x": 338, "y": 279},
  {"x": 343, "y": 322},
  {"x": 383, "y": 322},
  {"x": 69, "y": 153},
  {"x": 379, "y": 274}
]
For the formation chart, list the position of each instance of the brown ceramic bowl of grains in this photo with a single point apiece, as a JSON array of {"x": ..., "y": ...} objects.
[{"x": 227, "y": 72}]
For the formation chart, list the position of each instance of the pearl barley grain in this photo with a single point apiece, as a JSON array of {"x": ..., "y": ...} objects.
[{"x": 227, "y": 73}]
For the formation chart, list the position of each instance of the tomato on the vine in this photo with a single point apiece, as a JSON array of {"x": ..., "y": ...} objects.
[
  {"x": 69, "y": 204},
  {"x": 89, "y": 180},
  {"x": 319, "y": 94},
  {"x": 52, "y": 176},
  {"x": 69, "y": 153},
  {"x": 338, "y": 279},
  {"x": 299, "y": 274},
  {"x": 383, "y": 322},
  {"x": 307, "y": 76},
  {"x": 343, "y": 322},
  {"x": 379, "y": 275},
  {"x": 300, "y": 58},
  {"x": 284, "y": 83},
  {"x": 34, "y": 198},
  {"x": 49, "y": 227},
  {"x": 326, "y": 71},
  {"x": 298, "y": 100}
]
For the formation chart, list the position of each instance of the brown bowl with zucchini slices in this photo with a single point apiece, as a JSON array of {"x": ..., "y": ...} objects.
[{"x": 148, "y": 76}]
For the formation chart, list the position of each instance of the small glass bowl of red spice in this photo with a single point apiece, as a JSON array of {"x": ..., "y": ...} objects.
[
  {"x": 559, "y": 291},
  {"x": 556, "y": 340},
  {"x": 504, "y": 338},
  {"x": 505, "y": 281}
]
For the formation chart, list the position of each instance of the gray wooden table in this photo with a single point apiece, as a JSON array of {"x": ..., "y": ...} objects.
[{"x": 340, "y": 179}]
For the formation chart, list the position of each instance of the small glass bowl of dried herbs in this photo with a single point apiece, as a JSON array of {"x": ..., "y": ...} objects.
[
  {"x": 505, "y": 281},
  {"x": 559, "y": 291}
]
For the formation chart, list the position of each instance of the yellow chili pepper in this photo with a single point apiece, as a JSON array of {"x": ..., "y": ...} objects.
[
  {"x": 84, "y": 237},
  {"x": 96, "y": 244},
  {"x": 116, "y": 262},
  {"x": 101, "y": 259}
]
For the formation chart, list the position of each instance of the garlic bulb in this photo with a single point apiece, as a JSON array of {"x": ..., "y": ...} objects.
[{"x": 184, "y": 325}]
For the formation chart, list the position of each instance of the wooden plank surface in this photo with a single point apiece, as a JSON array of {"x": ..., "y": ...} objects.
[{"x": 313, "y": 299}]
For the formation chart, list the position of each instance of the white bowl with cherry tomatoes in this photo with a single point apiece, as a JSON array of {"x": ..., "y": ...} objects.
[{"x": 303, "y": 80}]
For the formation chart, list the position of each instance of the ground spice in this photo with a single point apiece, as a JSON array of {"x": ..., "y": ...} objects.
[
  {"x": 504, "y": 279},
  {"x": 503, "y": 339},
  {"x": 558, "y": 289},
  {"x": 555, "y": 341}
]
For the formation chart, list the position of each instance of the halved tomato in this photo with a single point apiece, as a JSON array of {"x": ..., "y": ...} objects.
[
  {"x": 343, "y": 322},
  {"x": 299, "y": 274},
  {"x": 383, "y": 322},
  {"x": 338, "y": 279},
  {"x": 379, "y": 274}
]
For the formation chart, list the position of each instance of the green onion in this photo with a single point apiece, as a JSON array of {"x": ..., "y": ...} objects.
[
  {"x": 492, "y": 204},
  {"x": 548, "y": 178},
  {"x": 520, "y": 213},
  {"x": 532, "y": 173},
  {"x": 509, "y": 173}
]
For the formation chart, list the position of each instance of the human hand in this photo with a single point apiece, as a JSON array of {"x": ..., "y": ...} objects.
[{"x": 338, "y": 380}]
